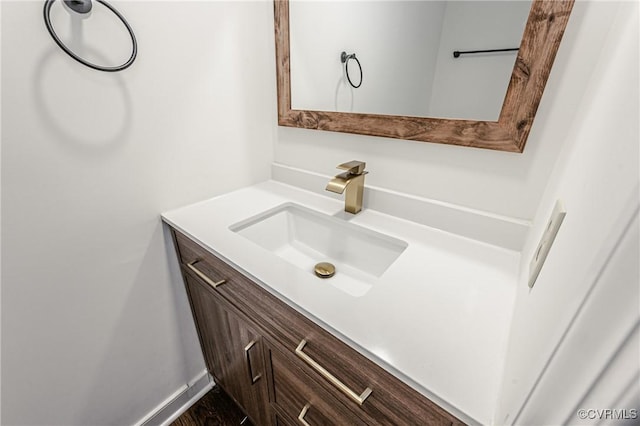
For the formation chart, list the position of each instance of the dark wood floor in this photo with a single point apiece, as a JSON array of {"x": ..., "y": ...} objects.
[{"x": 213, "y": 409}]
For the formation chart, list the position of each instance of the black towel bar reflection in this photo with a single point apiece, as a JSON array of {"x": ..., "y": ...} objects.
[
  {"x": 457, "y": 53},
  {"x": 83, "y": 7},
  {"x": 344, "y": 58}
]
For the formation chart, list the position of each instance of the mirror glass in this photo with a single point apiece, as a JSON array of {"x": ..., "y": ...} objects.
[{"x": 406, "y": 52}]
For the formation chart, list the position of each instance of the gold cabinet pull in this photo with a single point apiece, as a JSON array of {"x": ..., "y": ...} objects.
[
  {"x": 202, "y": 276},
  {"x": 358, "y": 399},
  {"x": 304, "y": 413},
  {"x": 248, "y": 359}
]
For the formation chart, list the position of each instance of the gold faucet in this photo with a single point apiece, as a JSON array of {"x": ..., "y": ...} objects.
[{"x": 353, "y": 181}]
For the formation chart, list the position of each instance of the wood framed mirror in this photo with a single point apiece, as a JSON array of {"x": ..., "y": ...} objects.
[{"x": 541, "y": 38}]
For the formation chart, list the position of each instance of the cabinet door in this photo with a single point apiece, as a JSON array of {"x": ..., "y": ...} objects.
[{"x": 232, "y": 351}]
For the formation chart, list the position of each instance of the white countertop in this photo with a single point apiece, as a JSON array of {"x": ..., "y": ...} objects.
[{"x": 437, "y": 319}]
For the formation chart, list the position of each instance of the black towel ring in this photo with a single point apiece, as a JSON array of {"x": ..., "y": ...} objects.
[
  {"x": 82, "y": 7},
  {"x": 344, "y": 58}
]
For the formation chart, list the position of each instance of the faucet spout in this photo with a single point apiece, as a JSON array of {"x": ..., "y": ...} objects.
[
  {"x": 351, "y": 181},
  {"x": 339, "y": 183}
]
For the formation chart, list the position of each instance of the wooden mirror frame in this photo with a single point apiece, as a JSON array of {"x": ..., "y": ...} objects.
[{"x": 541, "y": 38}]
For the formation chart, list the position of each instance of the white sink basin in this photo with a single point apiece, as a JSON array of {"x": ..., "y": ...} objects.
[{"x": 305, "y": 237}]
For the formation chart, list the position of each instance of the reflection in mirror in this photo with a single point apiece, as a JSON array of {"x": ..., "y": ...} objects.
[
  {"x": 543, "y": 32},
  {"x": 406, "y": 51}
]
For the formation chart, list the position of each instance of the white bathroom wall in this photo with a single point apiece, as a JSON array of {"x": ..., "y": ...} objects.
[
  {"x": 498, "y": 182},
  {"x": 578, "y": 326},
  {"x": 96, "y": 329},
  {"x": 473, "y": 86},
  {"x": 394, "y": 42}
]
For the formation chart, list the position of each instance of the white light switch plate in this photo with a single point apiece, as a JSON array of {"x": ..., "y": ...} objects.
[{"x": 539, "y": 256}]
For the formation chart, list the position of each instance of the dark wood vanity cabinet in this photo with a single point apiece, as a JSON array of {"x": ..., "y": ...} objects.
[{"x": 282, "y": 368}]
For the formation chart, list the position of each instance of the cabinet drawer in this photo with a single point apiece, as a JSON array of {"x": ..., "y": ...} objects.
[
  {"x": 203, "y": 264},
  {"x": 369, "y": 391},
  {"x": 211, "y": 270},
  {"x": 301, "y": 399}
]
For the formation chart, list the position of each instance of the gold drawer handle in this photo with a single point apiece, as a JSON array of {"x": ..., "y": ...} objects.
[
  {"x": 304, "y": 413},
  {"x": 358, "y": 399},
  {"x": 247, "y": 356},
  {"x": 202, "y": 276}
]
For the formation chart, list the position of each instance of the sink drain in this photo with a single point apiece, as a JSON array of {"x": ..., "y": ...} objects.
[{"x": 324, "y": 270}]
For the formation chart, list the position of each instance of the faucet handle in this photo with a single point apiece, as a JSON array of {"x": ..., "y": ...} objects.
[{"x": 353, "y": 167}]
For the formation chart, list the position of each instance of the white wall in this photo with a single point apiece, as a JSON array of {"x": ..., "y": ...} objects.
[
  {"x": 474, "y": 86},
  {"x": 394, "y": 42},
  {"x": 95, "y": 324},
  {"x": 581, "y": 318},
  {"x": 498, "y": 182}
]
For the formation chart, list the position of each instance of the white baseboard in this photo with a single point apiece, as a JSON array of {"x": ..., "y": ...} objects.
[
  {"x": 501, "y": 231},
  {"x": 179, "y": 402}
]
